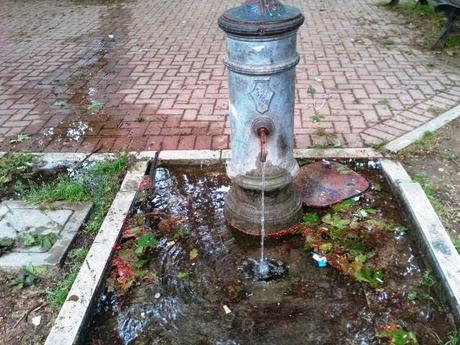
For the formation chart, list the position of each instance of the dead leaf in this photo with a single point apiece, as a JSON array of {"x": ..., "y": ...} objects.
[{"x": 193, "y": 254}]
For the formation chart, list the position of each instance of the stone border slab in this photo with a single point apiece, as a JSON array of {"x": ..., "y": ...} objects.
[
  {"x": 432, "y": 125},
  {"x": 207, "y": 156},
  {"x": 432, "y": 235},
  {"x": 72, "y": 318},
  {"x": 55, "y": 256}
]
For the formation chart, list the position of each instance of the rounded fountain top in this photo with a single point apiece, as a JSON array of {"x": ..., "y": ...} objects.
[{"x": 261, "y": 18}]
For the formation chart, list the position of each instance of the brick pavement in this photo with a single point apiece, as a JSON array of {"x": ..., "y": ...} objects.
[{"x": 129, "y": 75}]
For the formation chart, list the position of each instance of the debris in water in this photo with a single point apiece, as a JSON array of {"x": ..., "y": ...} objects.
[
  {"x": 321, "y": 260},
  {"x": 193, "y": 254},
  {"x": 227, "y": 309},
  {"x": 324, "y": 183}
]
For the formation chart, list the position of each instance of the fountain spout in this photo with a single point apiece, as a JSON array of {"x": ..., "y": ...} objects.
[{"x": 263, "y": 133}]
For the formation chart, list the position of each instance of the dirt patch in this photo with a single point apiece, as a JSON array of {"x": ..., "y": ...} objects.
[
  {"x": 435, "y": 161},
  {"x": 30, "y": 299}
]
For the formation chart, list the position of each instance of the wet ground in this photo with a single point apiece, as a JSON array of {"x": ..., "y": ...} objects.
[{"x": 203, "y": 292}]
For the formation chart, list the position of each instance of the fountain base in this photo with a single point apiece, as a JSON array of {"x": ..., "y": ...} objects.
[{"x": 283, "y": 208}]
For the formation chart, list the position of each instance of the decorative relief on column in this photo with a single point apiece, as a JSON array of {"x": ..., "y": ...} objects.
[{"x": 262, "y": 95}]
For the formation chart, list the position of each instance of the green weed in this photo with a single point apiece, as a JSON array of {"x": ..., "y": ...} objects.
[
  {"x": 58, "y": 294},
  {"x": 379, "y": 145},
  {"x": 384, "y": 103},
  {"x": 65, "y": 189},
  {"x": 454, "y": 339},
  {"x": 310, "y": 219},
  {"x": 110, "y": 167},
  {"x": 13, "y": 166},
  {"x": 317, "y": 117},
  {"x": 45, "y": 241}
]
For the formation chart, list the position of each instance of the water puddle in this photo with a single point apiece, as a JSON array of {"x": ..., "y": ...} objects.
[{"x": 204, "y": 284}]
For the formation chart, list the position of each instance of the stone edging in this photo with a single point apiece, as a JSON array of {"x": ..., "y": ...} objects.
[{"x": 72, "y": 318}]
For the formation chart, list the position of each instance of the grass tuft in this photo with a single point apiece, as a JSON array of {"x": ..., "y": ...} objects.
[
  {"x": 111, "y": 167},
  {"x": 65, "y": 189}
]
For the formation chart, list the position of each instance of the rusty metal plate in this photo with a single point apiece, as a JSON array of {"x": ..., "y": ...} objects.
[{"x": 324, "y": 183}]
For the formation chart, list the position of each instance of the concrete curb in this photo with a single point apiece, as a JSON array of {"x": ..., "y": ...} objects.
[
  {"x": 432, "y": 125},
  {"x": 74, "y": 313},
  {"x": 206, "y": 156},
  {"x": 431, "y": 234}
]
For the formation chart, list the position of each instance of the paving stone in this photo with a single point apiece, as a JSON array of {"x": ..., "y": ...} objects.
[
  {"x": 18, "y": 218},
  {"x": 161, "y": 81}
]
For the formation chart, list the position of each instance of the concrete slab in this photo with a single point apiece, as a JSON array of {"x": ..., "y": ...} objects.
[{"x": 18, "y": 218}]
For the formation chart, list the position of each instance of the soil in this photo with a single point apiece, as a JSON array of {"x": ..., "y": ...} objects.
[
  {"x": 440, "y": 160},
  {"x": 19, "y": 307}
]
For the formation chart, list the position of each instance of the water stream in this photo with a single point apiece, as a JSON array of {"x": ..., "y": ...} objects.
[{"x": 262, "y": 216}]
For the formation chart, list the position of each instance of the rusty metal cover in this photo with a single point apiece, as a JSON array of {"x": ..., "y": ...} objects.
[
  {"x": 324, "y": 183},
  {"x": 261, "y": 18}
]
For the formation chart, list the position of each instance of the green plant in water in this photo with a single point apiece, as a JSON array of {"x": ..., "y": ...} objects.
[
  {"x": 182, "y": 275},
  {"x": 343, "y": 206},
  {"x": 343, "y": 170},
  {"x": 364, "y": 212},
  {"x": 145, "y": 242},
  {"x": 396, "y": 335},
  {"x": 310, "y": 219},
  {"x": 427, "y": 280},
  {"x": 364, "y": 273},
  {"x": 335, "y": 221},
  {"x": 180, "y": 234}
]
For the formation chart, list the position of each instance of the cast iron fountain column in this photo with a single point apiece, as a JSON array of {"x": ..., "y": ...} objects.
[{"x": 261, "y": 46}]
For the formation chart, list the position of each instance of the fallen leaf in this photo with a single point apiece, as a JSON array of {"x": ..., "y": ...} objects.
[{"x": 193, "y": 254}]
